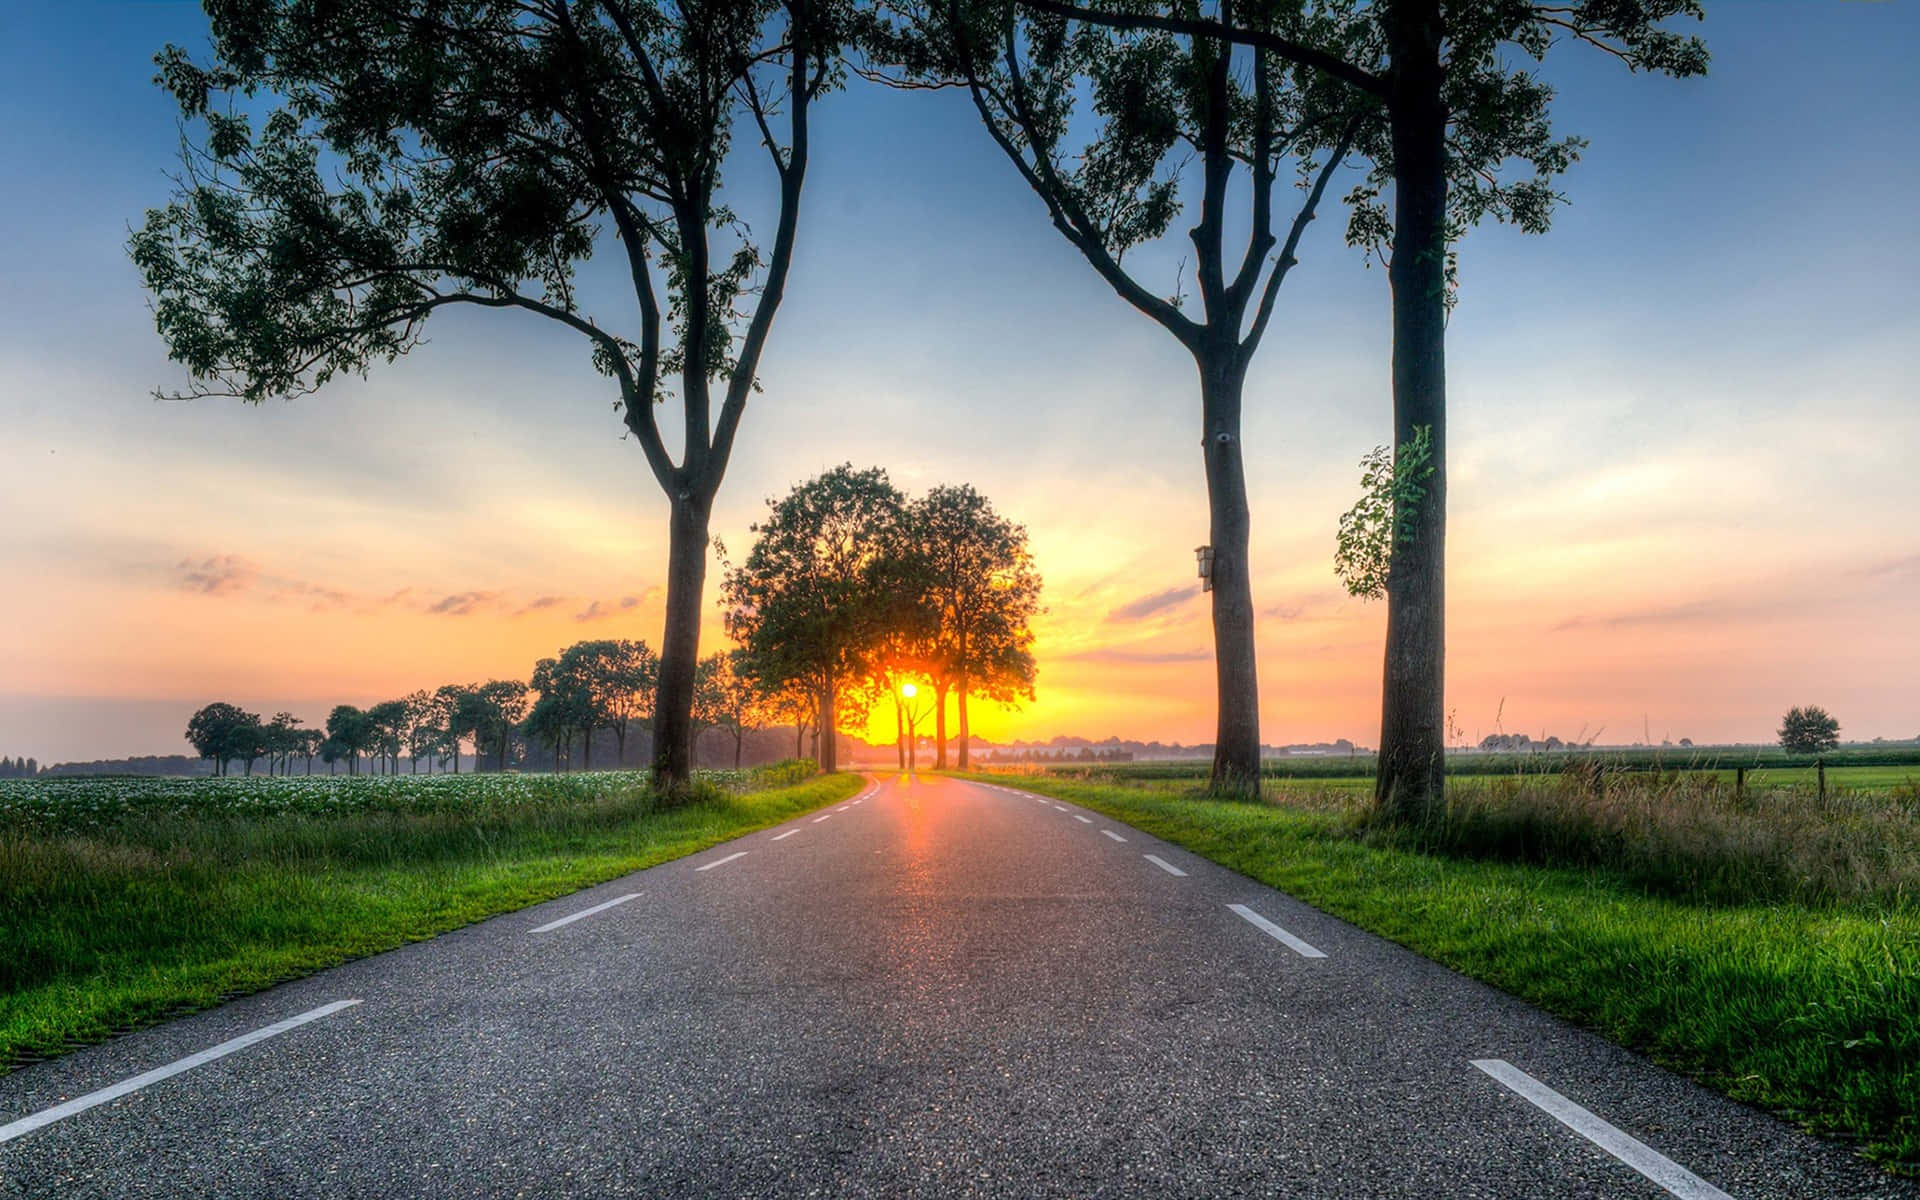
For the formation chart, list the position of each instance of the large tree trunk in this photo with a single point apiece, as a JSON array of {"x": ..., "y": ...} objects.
[
  {"x": 1236, "y": 746},
  {"x": 940, "y": 727},
  {"x": 680, "y": 646},
  {"x": 961, "y": 758},
  {"x": 1411, "y": 783},
  {"x": 826, "y": 727}
]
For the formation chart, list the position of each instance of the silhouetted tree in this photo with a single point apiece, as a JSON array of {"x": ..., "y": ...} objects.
[
  {"x": 806, "y": 605},
  {"x": 222, "y": 732},
  {"x": 423, "y": 155},
  {"x": 492, "y": 710},
  {"x": 1808, "y": 730},
  {"x": 1149, "y": 101},
  {"x": 983, "y": 591},
  {"x": 389, "y": 725},
  {"x": 620, "y": 677},
  {"x": 352, "y": 733},
  {"x": 728, "y": 700},
  {"x": 1453, "y": 119}
]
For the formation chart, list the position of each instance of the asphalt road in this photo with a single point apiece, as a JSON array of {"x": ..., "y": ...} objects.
[{"x": 944, "y": 990}]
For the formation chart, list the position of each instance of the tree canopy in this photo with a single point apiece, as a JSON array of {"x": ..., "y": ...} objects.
[{"x": 415, "y": 156}]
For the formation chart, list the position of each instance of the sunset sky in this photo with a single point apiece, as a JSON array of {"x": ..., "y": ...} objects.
[{"x": 1684, "y": 428}]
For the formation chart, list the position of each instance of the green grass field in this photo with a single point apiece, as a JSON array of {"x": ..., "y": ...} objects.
[
  {"x": 1770, "y": 950},
  {"x": 123, "y": 902}
]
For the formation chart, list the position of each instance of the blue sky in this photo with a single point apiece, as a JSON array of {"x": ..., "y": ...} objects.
[{"x": 1682, "y": 426}]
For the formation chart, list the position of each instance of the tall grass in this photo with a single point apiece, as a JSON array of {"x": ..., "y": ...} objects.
[
  {"x": 164, "y": 900},
  {"x": 1689, "y": 836}
]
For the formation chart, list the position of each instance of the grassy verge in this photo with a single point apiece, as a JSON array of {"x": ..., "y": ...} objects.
[
  {"x": 1808, "y": 1007},
  {"x": 109, "y": 925}
]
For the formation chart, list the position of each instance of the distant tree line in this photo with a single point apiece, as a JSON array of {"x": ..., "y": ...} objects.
[
  {"x": 18, "y": 768},
  {"x": 604, "y": 687}
]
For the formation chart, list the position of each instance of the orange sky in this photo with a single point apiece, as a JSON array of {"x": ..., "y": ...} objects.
[{"x": 1682, "y": 429}]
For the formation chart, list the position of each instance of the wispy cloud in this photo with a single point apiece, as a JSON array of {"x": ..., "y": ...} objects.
[
  {"x": 596, "y": 611},
  {"x": 1118, "y": 655},
  {"x": 461, "y": 604},
  {"x": 219, "y": 575},
  {"x": 540, "y": 603},
  {"x": 1147, "y": 606}
]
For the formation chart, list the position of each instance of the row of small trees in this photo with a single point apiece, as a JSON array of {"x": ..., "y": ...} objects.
[
  {"x": 18, "y": 768},
  {"x": 591, "y": 687},
  {"x": 853, "y": 591}
]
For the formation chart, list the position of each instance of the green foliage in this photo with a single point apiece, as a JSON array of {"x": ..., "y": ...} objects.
[
  {"x": 971, "y": 573},
  {"x": 1385, "y": 516},
  {"x": 1808, "y": 730},
  {"x": 1503, "y": 158},
  {"x": 812, "y": 599}
]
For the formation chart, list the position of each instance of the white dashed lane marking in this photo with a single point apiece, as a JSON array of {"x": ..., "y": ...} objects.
[
  {"x": 1163, "y": 864},
  {"x": 721, "y": 862},
  {"x": 80, "y": 1104},
  {"x": 586, "y": 912},
  {"x": 1643, "y": 1158},
  {"x": 1110, "y": 833},
  {"x": 1275, "y": 932},
  {"x": 789, "y": 833},
  {"x": 1083, "y": 820}
]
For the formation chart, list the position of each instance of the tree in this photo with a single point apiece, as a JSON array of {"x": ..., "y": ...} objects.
[
  {"x": 556, "y": 719},
  {"x": 491, "y": 711},
  {"x": 982, "y": 590},
  {"x": 727, "y": 699},
  {"x": 450, "y": 708},
  {"x": 388, "y": 720},
  {"x": 808, "y": 603},
  {"x": 566, "y": 704},
  {"x": 424, "y": 155},
  {"x": 282, "y": 738},
  {"x": 218, "y": 731},
  {"x": 352, "y": 733},
  {"x": 1152, "y": 99},
  {"x": 620, "y": 677},
  {"x": 1808, "y": 730},
  {"x": 1454, "y": 120}
]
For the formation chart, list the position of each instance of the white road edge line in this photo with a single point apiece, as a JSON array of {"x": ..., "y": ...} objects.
[
  {"x": 585, "y": 912},
  {"x": 1083, "y": 820},
  {"x": 1276, "y": 933},
  {"x": 1163, "y": 864},
  {"x": 789, "y": 833},
  {"x": 1656, "y": 1166},
  {"x": 1110, "y": 833},
  {"x": 720, "y": 862},
  {"x": 80, "y": 1104}
]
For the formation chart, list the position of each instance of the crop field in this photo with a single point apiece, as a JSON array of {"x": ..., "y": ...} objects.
[
  {"x": 126, "y": 900},
  {"x": 97, "y": 803}
]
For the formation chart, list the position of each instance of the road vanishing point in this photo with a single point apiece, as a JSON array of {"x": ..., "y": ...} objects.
[{"x": 940, "y": 989}]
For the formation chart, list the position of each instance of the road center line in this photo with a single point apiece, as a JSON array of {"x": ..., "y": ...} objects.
[
  {"x": 79, "y": 1104},
  {"x": 718, "y": 862},
  {"x": 842, "y": 808},
  {"x": 1276, "y": 933},
  {"x": 1163, "y": 864},
  {"x": 1083, "y": 820},
  {"x": 1654, "y": 1165},
  {"x": 789, "y": 833},
  {"x": 586, "y": 912},
  {"x": 1110, "y": 833},
  {"x": 821, "y": 817},
  {"x": 1061, "y": 807}
]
